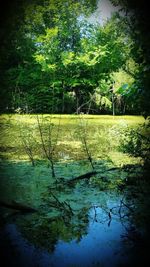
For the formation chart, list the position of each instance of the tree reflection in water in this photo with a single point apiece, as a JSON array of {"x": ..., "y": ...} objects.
[{"x": 91, "y": 236}]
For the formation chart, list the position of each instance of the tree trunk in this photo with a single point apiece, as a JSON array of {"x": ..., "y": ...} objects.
[{"x": 113, "y": 104}]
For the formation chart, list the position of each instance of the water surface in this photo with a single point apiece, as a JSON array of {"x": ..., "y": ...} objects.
[{"x": 83, "y": 224}]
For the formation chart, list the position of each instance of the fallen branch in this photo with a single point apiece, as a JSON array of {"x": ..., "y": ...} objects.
[
  {"x": 17, "y": 206},
  {"x": 83, "y": 176},
  {"x": 89, "y": 175},
  {"x": 112, "y": 169}
]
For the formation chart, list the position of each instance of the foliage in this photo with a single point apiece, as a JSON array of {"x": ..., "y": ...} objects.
[
  {"x": 136, "y": 142},
  {"x": 64, "y": 64},
  {"x": 137, "y": 19}
]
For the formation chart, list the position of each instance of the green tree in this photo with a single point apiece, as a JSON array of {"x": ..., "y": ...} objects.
[
  {"x": 83, "y": 67},
  {"x": 137, "y": 19},
  {"x": 60, "y": 63},
  {"x": 22, "y": 79}
]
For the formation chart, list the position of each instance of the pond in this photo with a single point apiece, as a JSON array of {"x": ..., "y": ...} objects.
[
  {"x": 83, "y": 216},
  {"x": 98, "y": 244}
]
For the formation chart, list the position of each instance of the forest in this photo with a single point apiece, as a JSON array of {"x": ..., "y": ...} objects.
[
  {"x": 53, "y": 60},
  {"x": 75, "y": 133}
]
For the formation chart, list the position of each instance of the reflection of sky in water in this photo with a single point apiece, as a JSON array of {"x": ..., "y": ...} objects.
[{"x": 101, "y": 245}]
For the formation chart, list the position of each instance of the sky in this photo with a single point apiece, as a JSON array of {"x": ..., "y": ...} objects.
[{"x": 103, "y": 12}]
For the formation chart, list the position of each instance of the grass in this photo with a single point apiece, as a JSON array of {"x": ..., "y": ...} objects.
[{"x": 25, "y": 118}]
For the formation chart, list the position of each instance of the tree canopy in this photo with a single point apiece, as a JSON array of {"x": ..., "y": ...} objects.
[{"x": 53, "y": 60}]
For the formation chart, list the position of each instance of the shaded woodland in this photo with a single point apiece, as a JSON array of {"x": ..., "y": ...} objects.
[{"x": 53, "y": 60}]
